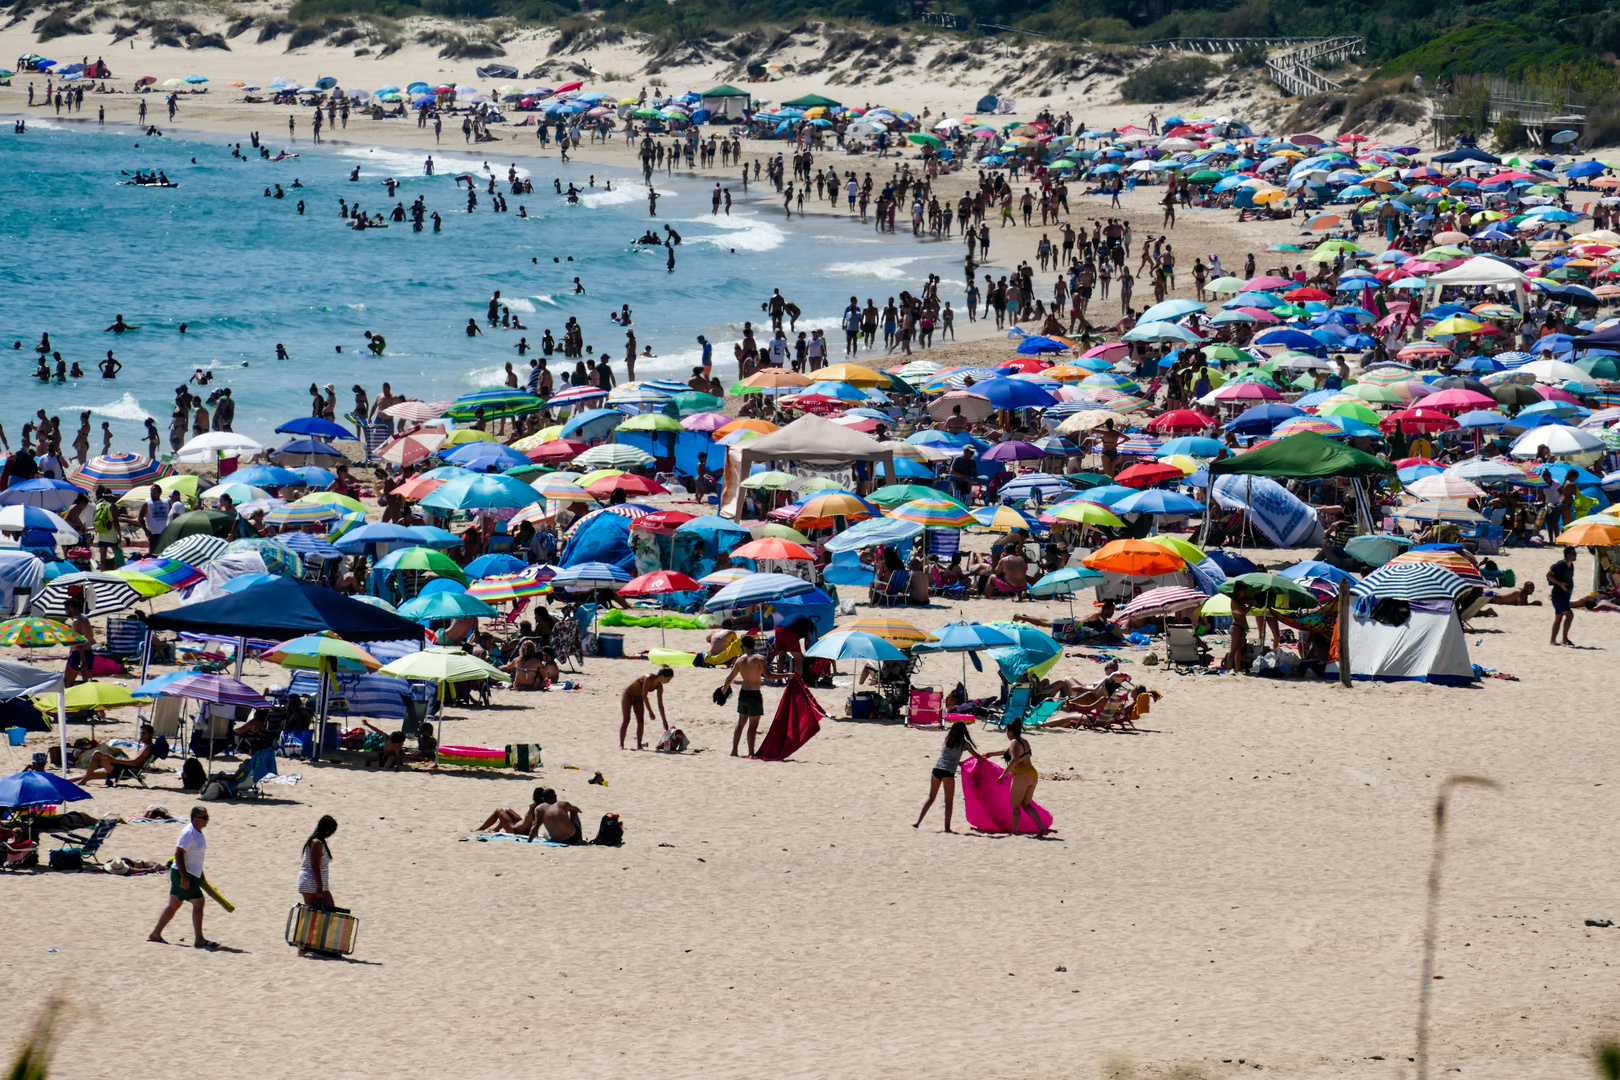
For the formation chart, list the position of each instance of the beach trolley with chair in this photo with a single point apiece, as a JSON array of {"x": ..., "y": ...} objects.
[{"x": 331, "y": 932}]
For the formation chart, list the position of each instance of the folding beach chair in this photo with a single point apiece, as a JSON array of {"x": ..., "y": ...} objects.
[
  {"x": 1185, "y": 649},
  {"x": 259, "y": 766},
  {"x": 86, "y": 845},
  {"x": 1017, "y": 705},
  {"x": 926, "y": 708}
]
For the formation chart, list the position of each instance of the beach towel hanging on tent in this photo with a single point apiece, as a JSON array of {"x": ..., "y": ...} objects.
[{"x": 798, "y": 719}]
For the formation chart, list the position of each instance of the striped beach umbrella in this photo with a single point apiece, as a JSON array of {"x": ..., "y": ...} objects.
[
  {"x": 551, "y": 487},
  {"x": 495, "y": 403},
  {"x": 1004, "y": 519},
  {"x": 1297, "y": 424},
  {"x": 1445, "y": 485},
  {"x": 1440, "y": 511},
  {"x": 895, "y": 631},
  {"x": 307, "y": 544},
  {"x": 574, "y": 395},
  {"x": 302, "y": 514},
  {"x": 198, "y": 549},
  {"x": 218, "y": 689},
  {"x": 324, "y": 650},
  {"x": 934, "y": 513},
  {"x": 591, "y": 575},
  {"x": 614, "y": 456},
  {"x": 418, "y": 412},
  {"x": 101, "y": 594},
  {"x": 173, "y": 572},
  {"x": 117, "y": 472},
  {"x": 1410, "y": 581},
  {"x": 332, "y": 498},
  {"x": 1455, "y": 561},
  {"x": 505, "y": 587},
  {"x": 757, "y": 589},
  {"x": 1087, "y": 420},
  {"x": 1165, "y": 600},
  {"x": 724, "y": 577},
  {"x": 632, "y": 511}
]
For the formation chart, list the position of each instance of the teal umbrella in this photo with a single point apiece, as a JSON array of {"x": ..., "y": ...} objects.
[
  {"x": 445, "y": 605},
  {"x": 854, "y": 645}
]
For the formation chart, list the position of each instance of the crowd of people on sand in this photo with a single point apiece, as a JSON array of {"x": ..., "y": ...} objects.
[{"x": 1057, "y": 450}]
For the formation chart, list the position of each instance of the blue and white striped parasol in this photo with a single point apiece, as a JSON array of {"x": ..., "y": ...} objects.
[
  {"x": 1410, "y": 581},
  {"x": 756, "y": 589}
]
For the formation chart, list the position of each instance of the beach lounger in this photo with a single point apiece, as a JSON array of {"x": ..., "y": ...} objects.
[
  {"x": 121, "y": 772},
  {"x": 1040, "y": 714}
]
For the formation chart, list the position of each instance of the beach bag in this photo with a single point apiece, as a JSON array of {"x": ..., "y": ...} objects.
[
  {"x": 610, "y": 833},
  {"x": 67, "y": 859},
  {"x": 673, "y": 742},
  {"x": 192, "y": 775},
  {"x": 213, "y": 792}
]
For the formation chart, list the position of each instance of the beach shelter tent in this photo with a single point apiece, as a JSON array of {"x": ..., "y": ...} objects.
[
  {"x": 724, "y": 101},
  {"x": 18, "y": 680},
  {"x": 287, "y": 608},
  {"x": 1481, "y": 270},
  {"x": 1303, "y": 455},
  {"x": 1427, "y": 646},
  {"x": 810, "y": 440},
  {"x": 813, "y": 101}
]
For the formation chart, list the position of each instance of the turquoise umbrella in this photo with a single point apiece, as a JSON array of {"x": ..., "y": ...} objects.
[{"x": 445, "y": 605}]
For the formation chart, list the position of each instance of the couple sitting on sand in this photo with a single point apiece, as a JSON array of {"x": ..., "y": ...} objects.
[{"x": 560, "y": 820}]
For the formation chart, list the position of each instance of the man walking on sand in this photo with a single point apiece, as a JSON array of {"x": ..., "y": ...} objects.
[
  {"x": 750, "y": 702},
  {"x": 186, "y": 880},
  {"x": 1561, "y": 580}
]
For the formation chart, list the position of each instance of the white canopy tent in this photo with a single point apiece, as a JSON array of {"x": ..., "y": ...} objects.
[
  {"x": 1481, "y": 270},
  {"x": 20, "y": 680},
  {"x": 810, "y": 440}
]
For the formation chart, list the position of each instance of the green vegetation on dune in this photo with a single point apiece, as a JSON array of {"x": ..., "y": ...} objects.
[{"x": 1531, "y": 40}]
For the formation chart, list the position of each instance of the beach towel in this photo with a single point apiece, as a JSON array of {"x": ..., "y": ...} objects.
[
  {"x": 514, "y": 838},
  {"x": 798, "y": 719},
  {"x": 987, "y": 798}
]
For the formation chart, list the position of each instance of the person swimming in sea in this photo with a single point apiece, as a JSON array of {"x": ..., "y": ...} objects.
[{"x": 118, "y": 327}]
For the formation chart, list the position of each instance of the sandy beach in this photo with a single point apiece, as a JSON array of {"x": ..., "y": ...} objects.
[
  {"x": 1236, "y": 888},
  {"x": 1240, "y": 880}
]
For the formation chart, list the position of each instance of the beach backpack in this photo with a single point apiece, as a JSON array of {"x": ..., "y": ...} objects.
[
  {"x": 610, "y": 833},
  {"x": 192, "y": 775},
  {"x": 104, "y": 517}
]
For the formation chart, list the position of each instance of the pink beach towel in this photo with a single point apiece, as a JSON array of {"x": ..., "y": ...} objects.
[{"x": 987, "y": 796}]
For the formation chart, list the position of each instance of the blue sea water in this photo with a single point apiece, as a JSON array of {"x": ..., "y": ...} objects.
[{"x": 245, "y": 272}]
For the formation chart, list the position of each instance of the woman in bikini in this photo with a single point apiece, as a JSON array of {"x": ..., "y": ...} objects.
[
  {"x": 528, "y": 670},
  {"x": 1021, "y": 769},
  {"x": 635, "y": 698}
]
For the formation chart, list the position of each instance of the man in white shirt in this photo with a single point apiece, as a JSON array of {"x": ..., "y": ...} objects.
[
  {"x": 154, "y": 515},
  {"x": 779, "y": 349},
  {"x": 186, "y": 879}
]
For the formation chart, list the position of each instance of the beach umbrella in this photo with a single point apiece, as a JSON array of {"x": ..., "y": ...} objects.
[
  {"x": 854, "y": 645},
  {"x": 772, "y": 547},
  {"x": 25, "y": 790},
  {"x": 1158, "y": 501},
  {"x": 627, "y": 483},
  {"x": 422, "y": 559},
  {"x": 897, "y": 632},
  {"x": 1081, "y": 512},
  {"x": 25, "y": 519},
  {"x": 1004, "y": 519},
  {"x": 1148, "y": 472},
  {"x": 854, "y": 374},
  {"x": 211, "y": 446},
  {"x": 934, "y": 512},
  {"x": 212, "y": 687},
  {"x": 101, "y": 594},
  {"x": 1029, "y": 485},
  {"x": 37, "y": 633},
  {"x": 832, "y": 510},
  {"x": 1445, "y": 485},
  {"x": 495, "y": 403},
  {"x": 1165, "y": 600},
  {"x": 480, "y": 492},
  {"x": 757, "y": 589},
  {"x": 590, "y": 575},
  {"x": 278, "y": 558},
  {"x": 966, "y": 637},
  {"x": 43, "y": 492},
  {"x": 1065, "y": 582},
  {"x": 326, "y": 653},
  {"x": 614, "y": 456},
  {"x": 1590, "y": 534},
  {"x": 445, "y": 604},
  {"x": 1134, "y": 558},
  {"x": 1410, "y": 581},
  {"x": 1270, "y": 592},
  {"x": 1454, "y": 561},
  {"x": 117, "y": 471},
  {"x": 317, "y": 427},
  {"x": 302, "y": 514},
  {"x": 197, "y": 548}
]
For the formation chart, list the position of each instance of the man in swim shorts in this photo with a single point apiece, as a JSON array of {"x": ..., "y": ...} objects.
[{"x": 750, "y": 702}]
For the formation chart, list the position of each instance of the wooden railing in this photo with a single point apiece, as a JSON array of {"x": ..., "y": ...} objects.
[{"x": 1291, "y": 70}]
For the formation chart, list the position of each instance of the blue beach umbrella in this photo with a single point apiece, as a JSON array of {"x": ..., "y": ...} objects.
[{"x": 317, "y": 427}]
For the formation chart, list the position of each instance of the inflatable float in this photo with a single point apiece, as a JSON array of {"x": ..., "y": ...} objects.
[
  {"x": 477, "y": 756},
  {"x": 987, "y": 799}
]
